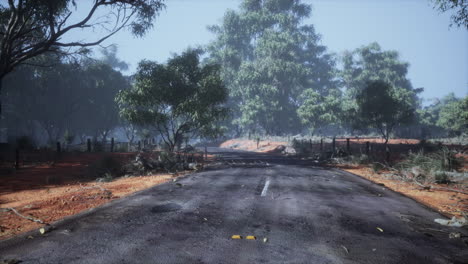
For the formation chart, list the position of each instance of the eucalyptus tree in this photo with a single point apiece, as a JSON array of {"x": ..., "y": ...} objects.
[
  {"x": 459, "y": 9},
  {"x": 29, "y": 28},
  {"x": 179, "y": 99},
  {"x": 379, "y": 107},
  {"x": 269, "y": 57},
  {"x": 370, "y": 63}
]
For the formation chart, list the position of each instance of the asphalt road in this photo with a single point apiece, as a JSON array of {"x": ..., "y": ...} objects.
[{"x": 299, "y": 213}]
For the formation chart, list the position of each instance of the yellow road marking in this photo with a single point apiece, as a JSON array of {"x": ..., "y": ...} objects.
[
  {"x": 250, "y": 237},
  {"x": 236, "y": 237}
]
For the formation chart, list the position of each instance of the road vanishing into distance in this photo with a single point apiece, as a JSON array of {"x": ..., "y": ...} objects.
[{"x": 295, "y": 212}]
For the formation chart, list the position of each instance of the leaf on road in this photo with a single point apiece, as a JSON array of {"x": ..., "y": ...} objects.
[
  {"x": 380, "y": 229},
  {"x": 42, "y": 230},
  {"x": 345, "y": 249},
  {"x": 265, "y": 240}
]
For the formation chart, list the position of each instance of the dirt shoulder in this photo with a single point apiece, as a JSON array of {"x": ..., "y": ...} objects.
[
  {"x": 51, "y": 192},
  {"x": 448, "y": 203}
]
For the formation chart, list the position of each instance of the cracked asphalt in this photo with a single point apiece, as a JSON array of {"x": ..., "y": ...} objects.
[{"x": 305, "y": 214}]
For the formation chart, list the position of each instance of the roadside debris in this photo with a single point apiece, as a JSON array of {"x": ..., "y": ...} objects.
[
  {"x": 23, "y": 216},
  {"x": 380, "y": 229},
  {"x": 345, "y": 249},
  {"x": 455, "y": 222}
]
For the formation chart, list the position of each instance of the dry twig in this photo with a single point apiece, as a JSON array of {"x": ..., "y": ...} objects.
[{"x": 23, "y": 216}]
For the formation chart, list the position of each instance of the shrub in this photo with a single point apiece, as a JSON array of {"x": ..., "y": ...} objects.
[
  {"x": 432, "y": 165},
  {"x": 25, "y": 143},
  {"x": 105, "y": 167}
]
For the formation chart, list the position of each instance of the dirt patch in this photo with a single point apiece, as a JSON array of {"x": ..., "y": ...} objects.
[
  {"x": 52, "y": 192},
  {"x": 446, "y": 202},
  {"x": 264, "y": 146}
]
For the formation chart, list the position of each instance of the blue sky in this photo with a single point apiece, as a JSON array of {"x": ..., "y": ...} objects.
[{"x": 438, "y": 55}]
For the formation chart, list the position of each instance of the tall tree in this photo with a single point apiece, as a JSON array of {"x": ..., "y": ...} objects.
[
  {"x": 370, "y": 63},
  {"x": 29, "y": 28},
  {"x": 269, "y": 57},
  {"x": 179, "y": 99}
]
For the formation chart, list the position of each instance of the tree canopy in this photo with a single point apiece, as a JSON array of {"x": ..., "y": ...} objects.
[
  {"x": 269, "y": 58},
  {"x": 179, "y": 99},
  {"x": 380, "y": 107}
]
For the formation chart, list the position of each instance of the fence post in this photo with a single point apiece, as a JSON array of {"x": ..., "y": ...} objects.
[
  {"x": 59, "y": 148},
  {"x": 333, "y": 146},
  {"x": 310, "y": 143},
  {"x": 17, "y": 158},
  {"x": 88, "y": 142},
  {"x": 367, "y": 148},
  {"x": 321, "y": 145},
  {"x": 112, "y": 145},
  {"x": 206, "y": 152},
  {"x": 139, "y": 145},
  {"x": 348, "y": 147},
  {"x": 387, "y": 153}
]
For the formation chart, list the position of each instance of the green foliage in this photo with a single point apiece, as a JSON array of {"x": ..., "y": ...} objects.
[
  {"x": 269, "y": 58},
  {"x": 179, "y": 99},
  {"x": 371, "y": 63},
  {"x": 460, "y": 8},
  {"x": 317, "y": 111},
  {"x": 66, "y": 98},
  {"x": 431, "y": 163},
  {"x": 36, "y": 27},
  {"x": 454, "y": 117},
  {"x": 379, "y": 106}
]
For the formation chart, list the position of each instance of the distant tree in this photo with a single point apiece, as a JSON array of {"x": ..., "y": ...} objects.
[
  {"x": 179, "y": 99},
  {"x": 109, "y": 57},
  {"x": 33, "y": 27},
  {"x": 370, "y": 63},
  {"x": 380, "y": 107},
  {"x": 66, "y": 97},
  {"x": 269, "y": 57},
  {"x": 102, "y": 113},
  {"x": 454, "y": 117},
  {"x": 460, "y": 7}
]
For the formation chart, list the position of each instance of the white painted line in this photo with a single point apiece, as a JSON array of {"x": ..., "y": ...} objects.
[{"x": 265, "y": 189}]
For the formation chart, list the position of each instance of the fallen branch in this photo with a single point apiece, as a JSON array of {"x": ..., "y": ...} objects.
[
  {"x": 23, "y": 216},
  {"x": 430, "y": 187}
]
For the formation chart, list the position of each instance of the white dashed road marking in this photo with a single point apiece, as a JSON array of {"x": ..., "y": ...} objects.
[{"x": 265, "y": 189}]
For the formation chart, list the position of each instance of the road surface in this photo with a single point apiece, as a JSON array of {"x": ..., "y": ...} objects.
[{"x": 297, "y": 213}]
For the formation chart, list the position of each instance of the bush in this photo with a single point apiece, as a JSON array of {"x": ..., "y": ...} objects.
[
  {"x": 25, "y": 143},
  {"x": 442, "y": 160},
  {"x": 376, "y": 167},
  {"x": 301, "y": 147},
  {"x": 432, "y": 165},
  {"x": 107, "y": 166}
]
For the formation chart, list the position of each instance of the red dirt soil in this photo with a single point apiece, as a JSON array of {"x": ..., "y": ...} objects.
[
  {"x": 251, "y": 145},
  {"x": 52, "y": 192}
]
